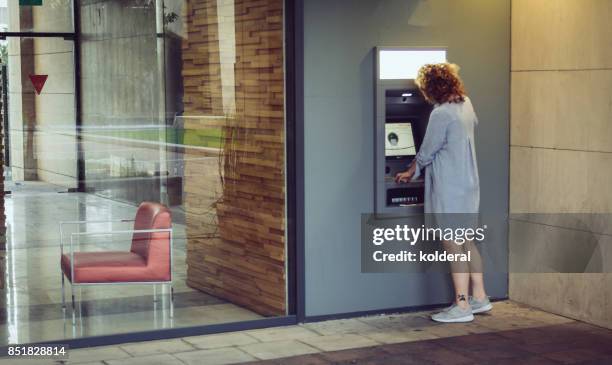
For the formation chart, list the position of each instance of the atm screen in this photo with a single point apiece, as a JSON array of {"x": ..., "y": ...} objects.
[{"x": 399, "y": 141}]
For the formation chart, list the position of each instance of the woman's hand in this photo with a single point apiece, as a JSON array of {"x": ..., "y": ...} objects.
[
  {"x": 406, "y": 176},
  {"x": 403, "y": 177}
]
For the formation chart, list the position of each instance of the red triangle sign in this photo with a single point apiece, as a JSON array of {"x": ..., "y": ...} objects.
[{"x": 38, "y": 81}]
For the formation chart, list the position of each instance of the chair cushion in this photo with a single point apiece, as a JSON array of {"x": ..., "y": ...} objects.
[
  {"x": 152, "y": 216},
  {"x": 110, "y": 267}
]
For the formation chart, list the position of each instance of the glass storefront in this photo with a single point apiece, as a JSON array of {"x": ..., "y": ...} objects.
[{"x": 179, "y": 103}]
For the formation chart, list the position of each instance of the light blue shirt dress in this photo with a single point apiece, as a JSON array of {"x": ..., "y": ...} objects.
[{"x": 448, "y": 156}]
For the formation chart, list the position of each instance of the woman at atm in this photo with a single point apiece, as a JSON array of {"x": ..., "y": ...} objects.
[{"x": 448, "y": 158}]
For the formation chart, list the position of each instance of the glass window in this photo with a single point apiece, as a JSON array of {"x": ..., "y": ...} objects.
[
  {"x": 38, "y": 16},
  {"x": 176, "y": 117}
]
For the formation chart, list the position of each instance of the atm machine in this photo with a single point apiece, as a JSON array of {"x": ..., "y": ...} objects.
[{"x": 401, "y": 117}]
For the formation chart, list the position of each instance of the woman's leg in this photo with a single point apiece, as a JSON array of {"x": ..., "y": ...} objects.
[
  {"x": 461, "y": 282},
  {"x": 460, "y": 273},
  {"x": 478, "y": 288},
  {"x": 476, "y": 270}
]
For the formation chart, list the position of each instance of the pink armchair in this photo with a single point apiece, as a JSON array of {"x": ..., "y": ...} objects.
[{"x": 149, "y": 260}]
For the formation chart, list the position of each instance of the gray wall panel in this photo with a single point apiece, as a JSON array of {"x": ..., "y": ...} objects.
[{"x": 339, "y": 37}]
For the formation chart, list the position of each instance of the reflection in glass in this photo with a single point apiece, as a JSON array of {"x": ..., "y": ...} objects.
[
  {"x": 181, "y": 103},
  {"x": 47, "y": 16}
]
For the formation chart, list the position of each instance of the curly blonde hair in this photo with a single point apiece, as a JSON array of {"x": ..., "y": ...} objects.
[{"x": 440, "y": 83}]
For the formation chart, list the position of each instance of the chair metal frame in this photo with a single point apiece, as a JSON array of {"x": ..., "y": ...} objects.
[{"x": 132, "y": 231}]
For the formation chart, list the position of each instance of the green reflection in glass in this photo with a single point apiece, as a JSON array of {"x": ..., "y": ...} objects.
[{"x": 209, "y": 137}]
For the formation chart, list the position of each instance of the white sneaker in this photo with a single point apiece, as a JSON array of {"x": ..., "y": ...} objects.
[
  {"x": 480, "y": 306},
  {"x": 454, "y": 314}
]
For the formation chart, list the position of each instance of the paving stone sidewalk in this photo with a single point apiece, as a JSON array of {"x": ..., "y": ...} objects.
[
  {"x": 383, "y": 339},
  {"x": 569, "y": 343}
]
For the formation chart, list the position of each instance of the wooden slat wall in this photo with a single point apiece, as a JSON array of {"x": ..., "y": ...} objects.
[{"x": 235, "y": 199}]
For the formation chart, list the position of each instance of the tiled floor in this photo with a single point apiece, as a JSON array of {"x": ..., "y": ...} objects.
[
  {"x": 510, "y": 334},
  {"x": 30, "y": 306}
]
